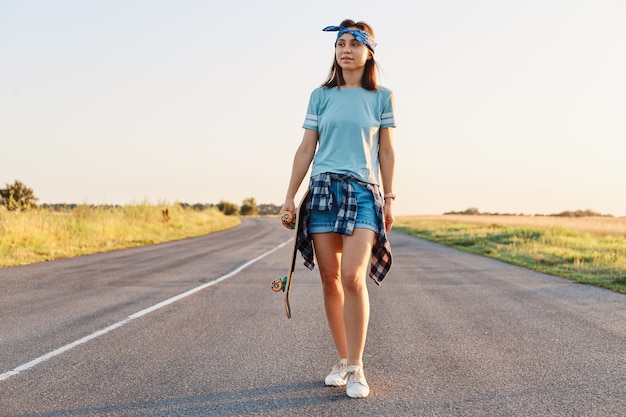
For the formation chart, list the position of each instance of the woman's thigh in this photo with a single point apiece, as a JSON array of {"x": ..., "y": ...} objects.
[
  {"x": 328, "y": 247},
  {"x": 356, "y": 254}
]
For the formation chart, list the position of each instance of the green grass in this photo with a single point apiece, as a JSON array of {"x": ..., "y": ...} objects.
[
  {"x": 588, "y": 258},
  {"x": 43, "y": 235}
]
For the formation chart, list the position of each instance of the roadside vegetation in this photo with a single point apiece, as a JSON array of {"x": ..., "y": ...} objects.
[
  {"x": 45, "y": 234},
  {"x": 34, "y": 233},
  {"x": 589, "y": 250}
]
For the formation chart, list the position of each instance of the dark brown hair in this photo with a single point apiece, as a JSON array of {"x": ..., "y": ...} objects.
[{"x": 335, "y": 75}]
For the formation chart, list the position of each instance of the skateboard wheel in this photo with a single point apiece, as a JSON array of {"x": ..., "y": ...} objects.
[
  {"x": 278, "y": 284},
  {"x": 288, "y": 219}
]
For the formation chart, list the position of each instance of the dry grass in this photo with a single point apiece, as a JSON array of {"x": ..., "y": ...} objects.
[{"x": 42, "y": 234}]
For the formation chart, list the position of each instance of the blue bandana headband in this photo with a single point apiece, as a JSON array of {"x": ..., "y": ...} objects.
[{"x": 360, "y": 35}]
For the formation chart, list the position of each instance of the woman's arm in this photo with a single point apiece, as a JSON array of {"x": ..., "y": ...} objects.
[
  {"x": 387, "y": 160},
  {"x": 301, "y": 162}
]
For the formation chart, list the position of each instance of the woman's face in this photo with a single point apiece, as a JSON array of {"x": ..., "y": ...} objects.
[{"x": 350, "y": 53}]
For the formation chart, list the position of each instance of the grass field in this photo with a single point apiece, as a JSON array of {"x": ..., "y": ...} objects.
[
  {"x": 43, "y": 235},
  {"x": 589, "y": 250}
]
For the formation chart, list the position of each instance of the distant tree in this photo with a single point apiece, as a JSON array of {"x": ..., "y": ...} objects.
[
  {"x": 249, "y": 207},
  {"x": 229, "y": 209},
  {"x": 472, "y": 211},
  {"x": 17, "y": 197},
  {"x": 581, "y": 213}
]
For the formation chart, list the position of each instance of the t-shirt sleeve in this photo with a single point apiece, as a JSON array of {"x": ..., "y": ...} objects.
[
  {"x": 312, "y": 111},
  {"x": 387, "y": 118}
]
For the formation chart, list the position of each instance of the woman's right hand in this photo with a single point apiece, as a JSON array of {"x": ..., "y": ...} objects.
[{"x": 287, "y": 214}]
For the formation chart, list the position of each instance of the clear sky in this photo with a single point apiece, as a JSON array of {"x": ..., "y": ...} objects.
[{"x": 506, "y": 106}]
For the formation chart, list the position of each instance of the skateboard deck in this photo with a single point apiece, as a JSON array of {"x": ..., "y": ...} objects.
[{"x": 284, "y": 283}]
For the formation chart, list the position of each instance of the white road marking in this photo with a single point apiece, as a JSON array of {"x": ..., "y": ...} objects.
[{"x": 132, "y": 317}]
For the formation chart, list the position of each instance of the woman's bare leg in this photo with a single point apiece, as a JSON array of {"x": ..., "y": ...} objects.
[
  {"x": 328, "y": 247},
  {"x": 355, "y": 261}
]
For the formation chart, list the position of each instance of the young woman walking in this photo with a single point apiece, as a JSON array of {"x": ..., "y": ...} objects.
[{"x": 348, "y": 137}]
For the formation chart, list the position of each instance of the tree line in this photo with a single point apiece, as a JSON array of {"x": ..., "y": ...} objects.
[
  {"x": 19, "y": 197},
  {"x": 473, "y": 211}
]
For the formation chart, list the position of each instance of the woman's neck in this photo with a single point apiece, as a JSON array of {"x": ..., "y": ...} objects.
[{"x": 352, "y": 79}]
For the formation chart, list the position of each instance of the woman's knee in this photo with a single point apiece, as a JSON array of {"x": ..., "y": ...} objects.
[
  {"x": 353, "y": 284},
  {"x": 331, "y": 283}
]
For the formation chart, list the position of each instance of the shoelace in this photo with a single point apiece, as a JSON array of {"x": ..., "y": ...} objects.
[
  {"x": 339, "y": 368},
  {"x": 356, "y": 376}
]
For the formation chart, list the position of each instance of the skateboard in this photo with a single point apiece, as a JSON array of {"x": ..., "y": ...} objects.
[{"x": 284, "y": 283}]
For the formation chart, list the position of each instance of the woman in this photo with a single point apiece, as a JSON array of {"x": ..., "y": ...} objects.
[{"x": 345, "y": 216}]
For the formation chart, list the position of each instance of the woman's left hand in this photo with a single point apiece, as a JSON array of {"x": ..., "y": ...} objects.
[{"x": 388, "y": 214}]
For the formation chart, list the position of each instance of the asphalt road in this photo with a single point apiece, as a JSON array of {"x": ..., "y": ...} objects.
[{"x": 451, "y": 334}]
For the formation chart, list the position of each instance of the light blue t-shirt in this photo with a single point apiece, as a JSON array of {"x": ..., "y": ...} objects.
[{"x": 348, "y": 121}]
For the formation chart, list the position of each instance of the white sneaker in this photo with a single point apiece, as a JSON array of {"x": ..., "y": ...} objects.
[
  {"x": 357, "y": 385},
  {"x": 337, "y": 375}
]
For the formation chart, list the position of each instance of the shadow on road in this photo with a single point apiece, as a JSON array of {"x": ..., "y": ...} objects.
[{"x": 293, "y": 399}]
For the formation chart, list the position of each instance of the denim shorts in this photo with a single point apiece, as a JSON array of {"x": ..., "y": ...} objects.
[{"x": 324, "y": 221}]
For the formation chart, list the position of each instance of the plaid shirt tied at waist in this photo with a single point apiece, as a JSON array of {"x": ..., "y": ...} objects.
[{"x": 320, "y": 197}]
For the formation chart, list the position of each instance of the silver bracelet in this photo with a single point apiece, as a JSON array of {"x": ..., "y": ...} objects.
[{"x": 389, "y": 195}]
